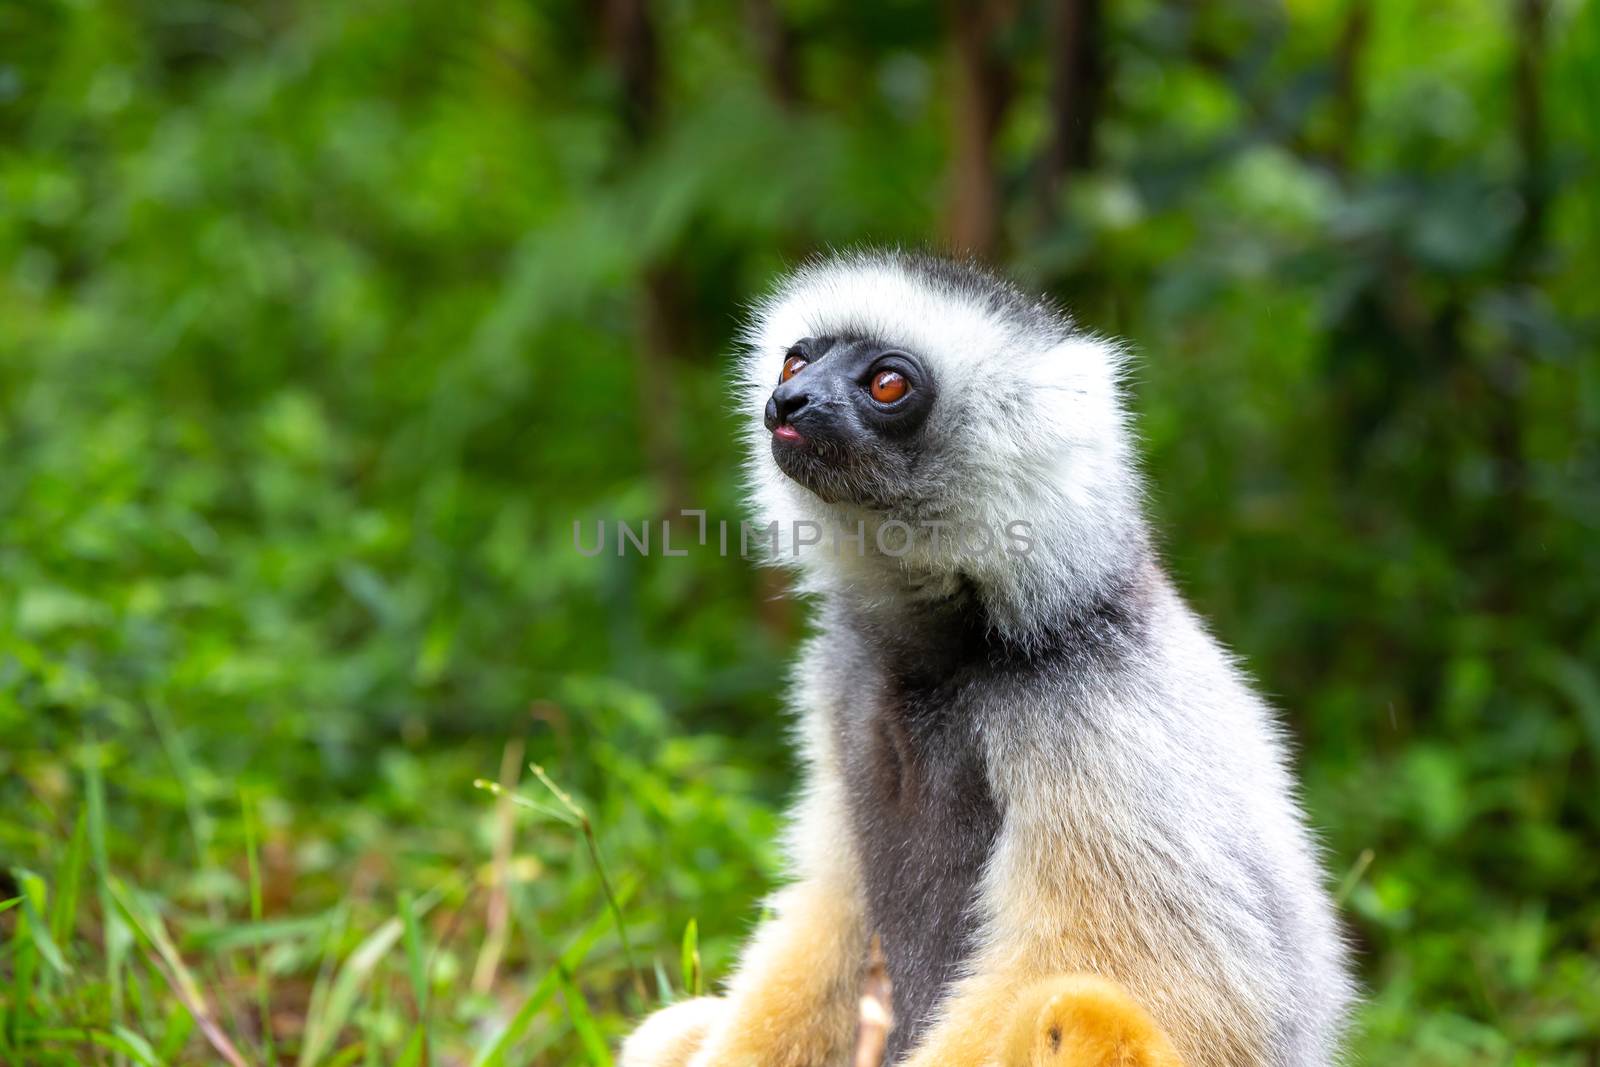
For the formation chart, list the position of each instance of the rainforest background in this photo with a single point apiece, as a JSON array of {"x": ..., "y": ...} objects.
[{"x": 321, "y": 323}]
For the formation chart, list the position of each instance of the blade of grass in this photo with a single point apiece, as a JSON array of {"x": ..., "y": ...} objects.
[
  {"x": 664, "y": 992},
  {"x": 262, "y": 934},
  {"x": 175, "y": 1034},
  {"x": 325, "y": 967},
  {"x": 411, "y": 1056},
  {"x": 33, "y": 901},
  {"x": 136, "y": 1046},
  {"x": 114, "y": 935},
  {"x": 494, "y": 1054},
  {"x": 24, "y": 958},
  {"x": 594, "y": 1046},
  {"x": 164, "y": 956},
  {"x": 497, "y": 790},
  {"x": 691, "y": 958},
  {"x": 371, "y": 1022},
  {"x": 416, "y": 961},
  {"x": 1353, "y": 877},
  {"x": 348, "y": 1056},
  {"x": 200, "y": 830},
  {"x": 69, "y": 877},
  {"x": 587, "y": 829},
  {"x": 119, "y": 1039},
  {"x": 263, "y": 981},
  {"x": 325, "y": 1025}
]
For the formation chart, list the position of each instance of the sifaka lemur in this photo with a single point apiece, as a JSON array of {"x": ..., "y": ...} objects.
[{"x": 1029, "y": 769}]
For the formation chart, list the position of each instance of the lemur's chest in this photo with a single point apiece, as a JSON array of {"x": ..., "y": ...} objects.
[{"x": 925, "y": 822}]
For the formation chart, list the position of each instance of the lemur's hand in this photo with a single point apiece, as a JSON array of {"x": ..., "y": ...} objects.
[
  {"x": 1083, "y": 1020},
  {"x": 1065, "y": 1020},
  {"x": 672, "y": 1035}
]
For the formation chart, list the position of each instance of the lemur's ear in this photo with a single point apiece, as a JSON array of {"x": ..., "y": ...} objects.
[{"x": 1083, "y": 1020}]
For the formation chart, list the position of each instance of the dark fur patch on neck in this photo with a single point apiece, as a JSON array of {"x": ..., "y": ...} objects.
[
  {"x": 943, "y": 635},
  {"x": 923, "y": 813}
]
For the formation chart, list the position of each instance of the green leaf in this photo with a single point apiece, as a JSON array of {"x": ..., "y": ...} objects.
[{"x": 691, "y": 958}]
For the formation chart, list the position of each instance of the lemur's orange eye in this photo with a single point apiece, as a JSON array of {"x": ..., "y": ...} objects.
[
  {"x": 792, "y": 366},
  {"x": 889, "y": 386}
]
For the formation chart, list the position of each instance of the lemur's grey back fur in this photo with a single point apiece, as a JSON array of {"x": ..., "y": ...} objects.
[{"x": 1062, "y": 713}]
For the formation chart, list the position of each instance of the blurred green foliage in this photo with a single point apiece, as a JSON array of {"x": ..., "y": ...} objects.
[{"x": 321, "y": 323}]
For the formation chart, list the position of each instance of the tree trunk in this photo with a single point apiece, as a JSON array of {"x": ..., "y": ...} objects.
[
  {"x": 1077, "y": 81},
  {"x": 980, "y": 93},
  {"x": 631, "y": 38},
  {"x": 1347, "y": 83},
  {"x": 775, "y": 45}
]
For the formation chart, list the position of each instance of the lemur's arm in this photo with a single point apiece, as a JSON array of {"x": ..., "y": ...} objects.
[{"x": 793, "y": 1000}]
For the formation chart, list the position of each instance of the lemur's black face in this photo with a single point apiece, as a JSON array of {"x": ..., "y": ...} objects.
[{"x": 846, "y": 418}]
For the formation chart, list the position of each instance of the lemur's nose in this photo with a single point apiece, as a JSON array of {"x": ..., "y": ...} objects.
[{"x": 786, "y": 399}]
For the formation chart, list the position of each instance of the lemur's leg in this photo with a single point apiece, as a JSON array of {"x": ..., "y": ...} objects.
[
  {"x": 1069, "y": 1020},
  {"x": 794, "y": 999},
  {"x": 1083, "y": 1020},
  {"x": 1049, "y": 928}
]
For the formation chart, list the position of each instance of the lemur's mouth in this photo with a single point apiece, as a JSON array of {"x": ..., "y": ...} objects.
[{"x": 811, "y": 462}]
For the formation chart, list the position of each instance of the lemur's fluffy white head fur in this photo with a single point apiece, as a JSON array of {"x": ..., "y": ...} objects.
[{"x": 1027, "y": 427}]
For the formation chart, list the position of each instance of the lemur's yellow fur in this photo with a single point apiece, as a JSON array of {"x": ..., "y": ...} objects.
[
  {"x": 794, "y": 1000},
  {"x": 1082, "y": 1020},
  {"x": 1077, "y": 1020}
]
